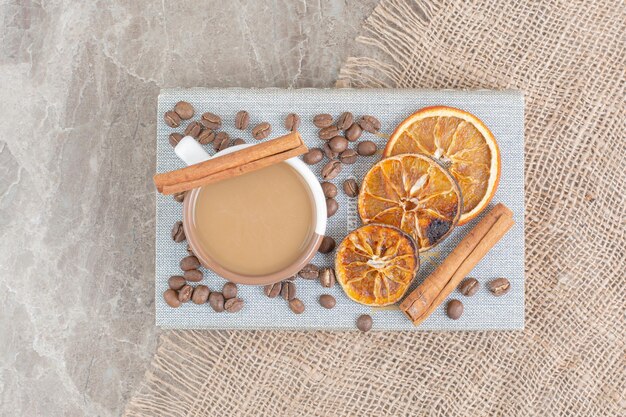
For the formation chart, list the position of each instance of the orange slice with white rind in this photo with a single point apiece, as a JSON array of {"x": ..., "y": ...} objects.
[
  {"x": 414, "y": 193},
  {"x": 375, "y": 264},
  {"x": 459, "y": 141}
]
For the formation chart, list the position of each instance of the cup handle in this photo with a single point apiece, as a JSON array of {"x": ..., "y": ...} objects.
[{"x": 190, "y": 151}]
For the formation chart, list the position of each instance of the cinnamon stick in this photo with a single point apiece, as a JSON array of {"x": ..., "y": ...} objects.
[{"x": 420, "y": 303}]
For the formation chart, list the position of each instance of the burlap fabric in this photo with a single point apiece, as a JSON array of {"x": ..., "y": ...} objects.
[{"x": 569, "y": 58}]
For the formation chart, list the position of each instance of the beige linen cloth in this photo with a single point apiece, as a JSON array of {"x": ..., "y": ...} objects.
[{"x": 569, "y": 58}]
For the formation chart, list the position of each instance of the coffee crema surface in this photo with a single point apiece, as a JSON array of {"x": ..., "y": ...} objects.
[{"x": 257, "y": 223}]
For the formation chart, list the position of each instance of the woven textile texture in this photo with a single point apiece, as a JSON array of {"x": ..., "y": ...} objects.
[{"x": 569, "y": 58}]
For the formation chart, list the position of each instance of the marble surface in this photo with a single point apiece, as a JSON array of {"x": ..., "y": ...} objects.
[{"x": 78, "y": 85}]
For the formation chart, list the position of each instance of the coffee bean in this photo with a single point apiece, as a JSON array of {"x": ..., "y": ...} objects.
[
  {"x": 190, "y": 251},
  {"x": 338, "y": 144},
  {"x": 184, "y": 110},
  {"x": 313, "y": 156},
  {"x": 296, "y": 305},
  {"x": 499, "y": 286},
  {"x": 349, "y": 156},
  {"x": 366, "y": 148},
  {"x": 175, "y": 138},
  {"x": 364, "y": 323},
  {"x": 323, "y": 120},
  {"x": 288, "y": 291},
  {"x": 328, "y": 133},
  {"x": 193, "y": 129},
  {"x": 261, "y": 131},
  {"x": 309, "y": 271},
  {"x": 176, "y": 282},
  {"x": 327, "y": 277},
  {"x": 178, "y": 232},
  {"x": 345, "y": 120},
  {"x": 216, "y": 301},
  {"x": 184, "y": 294},
  {"x": 171, "y": 298},
  {"x": 291, "y": 278},
  {"x": 272, "y": 290},
  {"x": 369, "y": 124},
  {"x": 454, "y": 309},
  {"x": 242, "y": 120},
  {"x": 189, "y": 262},
  {"x": 171, "y": 118},
  {"x": 222, "y": 139},
  {"x": 206, "y": 136},
  {"x": 233, "y": 305},
  {"x": 193, "y": 275},
  {"x": 179, "y": 197},
  {"x": 292, "y": 122},
  {"x": 350, "y": 187},
  {"x": 327, "y": 301},
  {"x": 327, "y": 245},
  {"x": 354, "y": 132},
  {"x": 200, "y": 294},
  {"x": 331, "y": 207},
  {"x": 211, "y": 121},
  {"x": 330, "y": 154},
  {"x": 469, "y": 287},
  {"x": 329, "y": 189},
  {"x": 229, "y": 290},
  {"x": 238, "y": 141},
  {"x": 331, "y": 169}
]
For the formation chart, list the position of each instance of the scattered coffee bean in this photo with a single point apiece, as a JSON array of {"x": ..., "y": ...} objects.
[
  {"x": 193, "y": 129},
  {"x": 454, "y": 309},
  {"x": 329, "y": 132},
  {"x": 338, "y": 144},
  {"x": 216, "y": 301},
  {"x": 184, "y": 110},
  {"x": 175, "y": 138},
  {"x": 469, "y": 287},
  {"x": 229, "y": 290},
  {"x": 292, "y": 122},
  {"x": 291, "y": 278},
  {"x": 329, "y": 189},
  {"x": 221, "y": 142},
  {"x": 206, "y": 136},
  {"x": 309, "y": 271},
  {"x": 272, "y": 290},
  {"x": 190, "y": 251},
  {"x": 288, "y": 291},
  {"x": 499, "y": 286},
  {"x": 296, "y": 305},
  {"x": 327, "y": 301},
  {"x": 345, "y": 120},
  {"x": 313, "y": 156},
  {"x": 350, "y": 187},
  {"x": 179, "y": 197},
  {"x": 330, "y": 154},
  {"x": 327, "y": 277},
  {"x": 331, "y": 169},
  {"x": 178, "y": 232},
  {"x": 184, "y": 294},
  {"x": 369, "y": 124},
  {"x": 364, "y": 323},
  {"x": 171, "y": 118},
  {"x": 354, "y": 132},
  {"x": 233, "y": 305},
  {"x": 349, "y": 156},
  {"x": 261, "y": 131},
  {"x": 238, "y": 141},
  {"x": 200, "y": 294},
  {"x": 366, "y": 148},
  {"x": 189, "y": 262},
  {"x": 323, "y": 120},
  {"x": 327, "y": 245},
  {"x": 193, "y": 275},
  {"x": 171, "y": 298},
  {"x": 211, "y": 121},
  {"x": 242, "y": 120},
  {"x": 331, "y": 207},
  {"x": 176, "y": 282}
]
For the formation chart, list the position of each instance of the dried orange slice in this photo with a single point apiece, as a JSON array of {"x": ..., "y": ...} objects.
[
  {"x": 414, "y": 193},
  {"x": 460, "y": 142},
  {"x": 375, "y": 264}
]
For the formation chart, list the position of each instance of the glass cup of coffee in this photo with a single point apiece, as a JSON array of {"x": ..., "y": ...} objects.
[{"x": 257, "y": 228}]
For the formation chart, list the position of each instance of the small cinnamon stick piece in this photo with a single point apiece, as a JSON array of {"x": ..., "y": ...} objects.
[{"x": 420, "y": 303}]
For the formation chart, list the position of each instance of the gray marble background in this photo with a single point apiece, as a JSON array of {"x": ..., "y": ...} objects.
[{"x": 78, "y": 89}]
